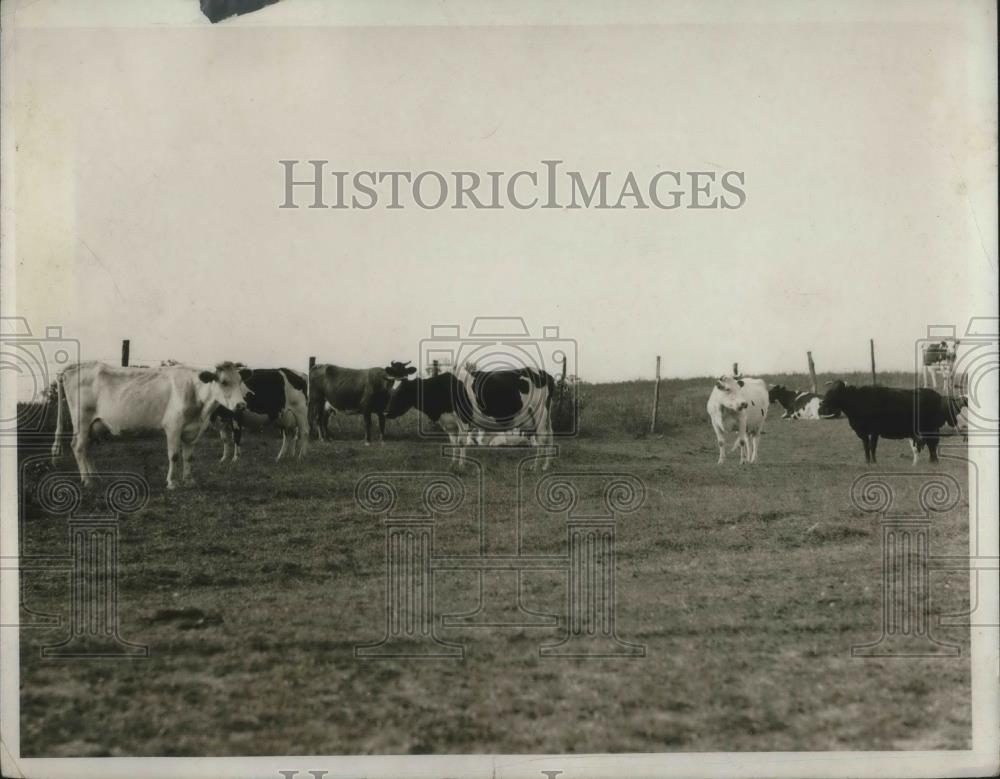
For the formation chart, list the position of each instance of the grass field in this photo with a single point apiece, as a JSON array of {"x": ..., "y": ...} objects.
[{"x": 746, "y": 585}]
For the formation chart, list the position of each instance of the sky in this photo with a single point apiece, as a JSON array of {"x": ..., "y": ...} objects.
[{"x": 147, "y": 184}]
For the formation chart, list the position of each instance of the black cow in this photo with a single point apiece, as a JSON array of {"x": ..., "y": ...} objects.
[
  {"x": 279, "y": 394},
  {"x": 500, "y": 404},
  {"x": 875, "y": 412},
  {"x": 800, "y": 405},
  {"x": 352, "y": 391}
]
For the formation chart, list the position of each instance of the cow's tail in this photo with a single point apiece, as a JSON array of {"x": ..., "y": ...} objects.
[{"x": 60, "y": 402}]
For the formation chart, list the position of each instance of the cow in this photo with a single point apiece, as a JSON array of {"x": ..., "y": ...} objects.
[
  {"x": 496, "y": 408},
  {"x": 276, "y": 395},
  {"x": 352, "y": 391},
  {"x": 939, "y": 360},
  {"x": 177, "y": 399},
  {"x": 874, "y": 412},
  {"x": 738, "y": 404},
  {"x": 799, "y": 405}
]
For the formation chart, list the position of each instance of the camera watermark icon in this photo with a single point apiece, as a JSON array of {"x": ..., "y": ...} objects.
[
  {"x": 90, "y": 562},
  {"x": 482, "y": 358},
  {"x": 415, "y": 617},
  {"x": 961, "y": 367},
  {"x": 31, "y": 363},
  {"x": 907, "y": 561}
]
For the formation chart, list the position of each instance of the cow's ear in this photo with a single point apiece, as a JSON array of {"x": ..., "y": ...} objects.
[
  {"x": 740, "y": 382},
  {"x": 245, "y": 374},
  {"x": 207, "y": 376},
  {"x": 718, "y": 385},
  {"x": 410, "y": 371}
]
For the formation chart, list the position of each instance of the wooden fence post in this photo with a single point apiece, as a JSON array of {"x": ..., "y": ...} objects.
[
  {"x": 562, "y": 382},
  {"x": 434, "y": 368},
  {"x": 736, "y": 369},
  {"x": 871, "y": 346},
  {"x": 656, "y": 396},
  {"x": 812, "y": 373},
  {"x": 125, "y": 349},
  {"x": 312, "y": 363}
]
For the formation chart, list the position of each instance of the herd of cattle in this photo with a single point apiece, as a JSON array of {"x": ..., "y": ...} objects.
[
  {"x": 741, "y": 404},
  {"x": 502, "y": 407}
]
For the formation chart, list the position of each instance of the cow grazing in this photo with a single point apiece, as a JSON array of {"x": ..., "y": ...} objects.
[
  {"x": 800, "y": 405},
  {"x": 741, "y": 405},
  {"x": 352, "y": 391},
  {"x": 176, "y": 399},
  {"x": 882, "y": 412},
  {"x": 275, "y": 395},
  {"x": 495, "y": 408}
]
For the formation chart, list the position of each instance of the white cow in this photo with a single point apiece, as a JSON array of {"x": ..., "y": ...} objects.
[
  {"x": 176, "y": 399},
  {"x": 738, "y": 404},
  {"x": 939, "y": 362}
]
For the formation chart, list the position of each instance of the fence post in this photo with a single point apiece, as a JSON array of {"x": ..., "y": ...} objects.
[
  {"x": 434, "y": 368},
  {"x": 736, "y": 369},
  {"x": 871, "y": 346},
  {"x": 125, "y": 349},
  {"x": 656, "y": 396},
  {"x": 812, "y": 373},
  {"x": 562, "y": 384},
  {"x": 312, "y": 363}
]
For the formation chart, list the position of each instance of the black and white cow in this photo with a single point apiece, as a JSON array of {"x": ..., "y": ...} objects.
[
  {"x": 352, "y": 391},
  {"x": 939, "y": 362},
  {"x": 492, "y": 407},
  {"x": 800, "y": 405},
  {"x": 275, "y": 395}
]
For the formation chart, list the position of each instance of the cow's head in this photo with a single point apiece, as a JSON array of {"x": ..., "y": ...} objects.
[
  {"x": 225, "y": 385},
  {"x": 731, "y": 390},
  {"x": 402, "y": 399},
  {"x": 834, "y": 398},
  {"x": 399, "y": 370},
  {"x": 775, "y": 393}
]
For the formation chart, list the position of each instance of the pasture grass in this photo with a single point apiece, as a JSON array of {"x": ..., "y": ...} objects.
[{"x": 746, "y": 585}]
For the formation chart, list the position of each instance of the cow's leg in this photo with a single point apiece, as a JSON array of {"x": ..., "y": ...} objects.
[
  {"x": 226, "y": 436},
  {"x": 237, "y": 440},
  {"x": 915, "y": 449},
  {"x": 81, "y": 447},
  {"x": 187, "y": 458},
  {"x": 720, "y": 437},
  {"x": 301, "y": 432},
  {"x": 173, "y": 455},
  {"x": 754, "y": 438},
  {"x": 743, "y": 441},
  {"x": 368, "y": 428},
  {"x": 866, "y": 441},
  {"x": 316, "y": 419},
  {"x": 932, "y": 447},
  {"x": 381, "y": 427},
  {"x": 874, "y": 446},
  {"x": 284, "y": 445}
]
